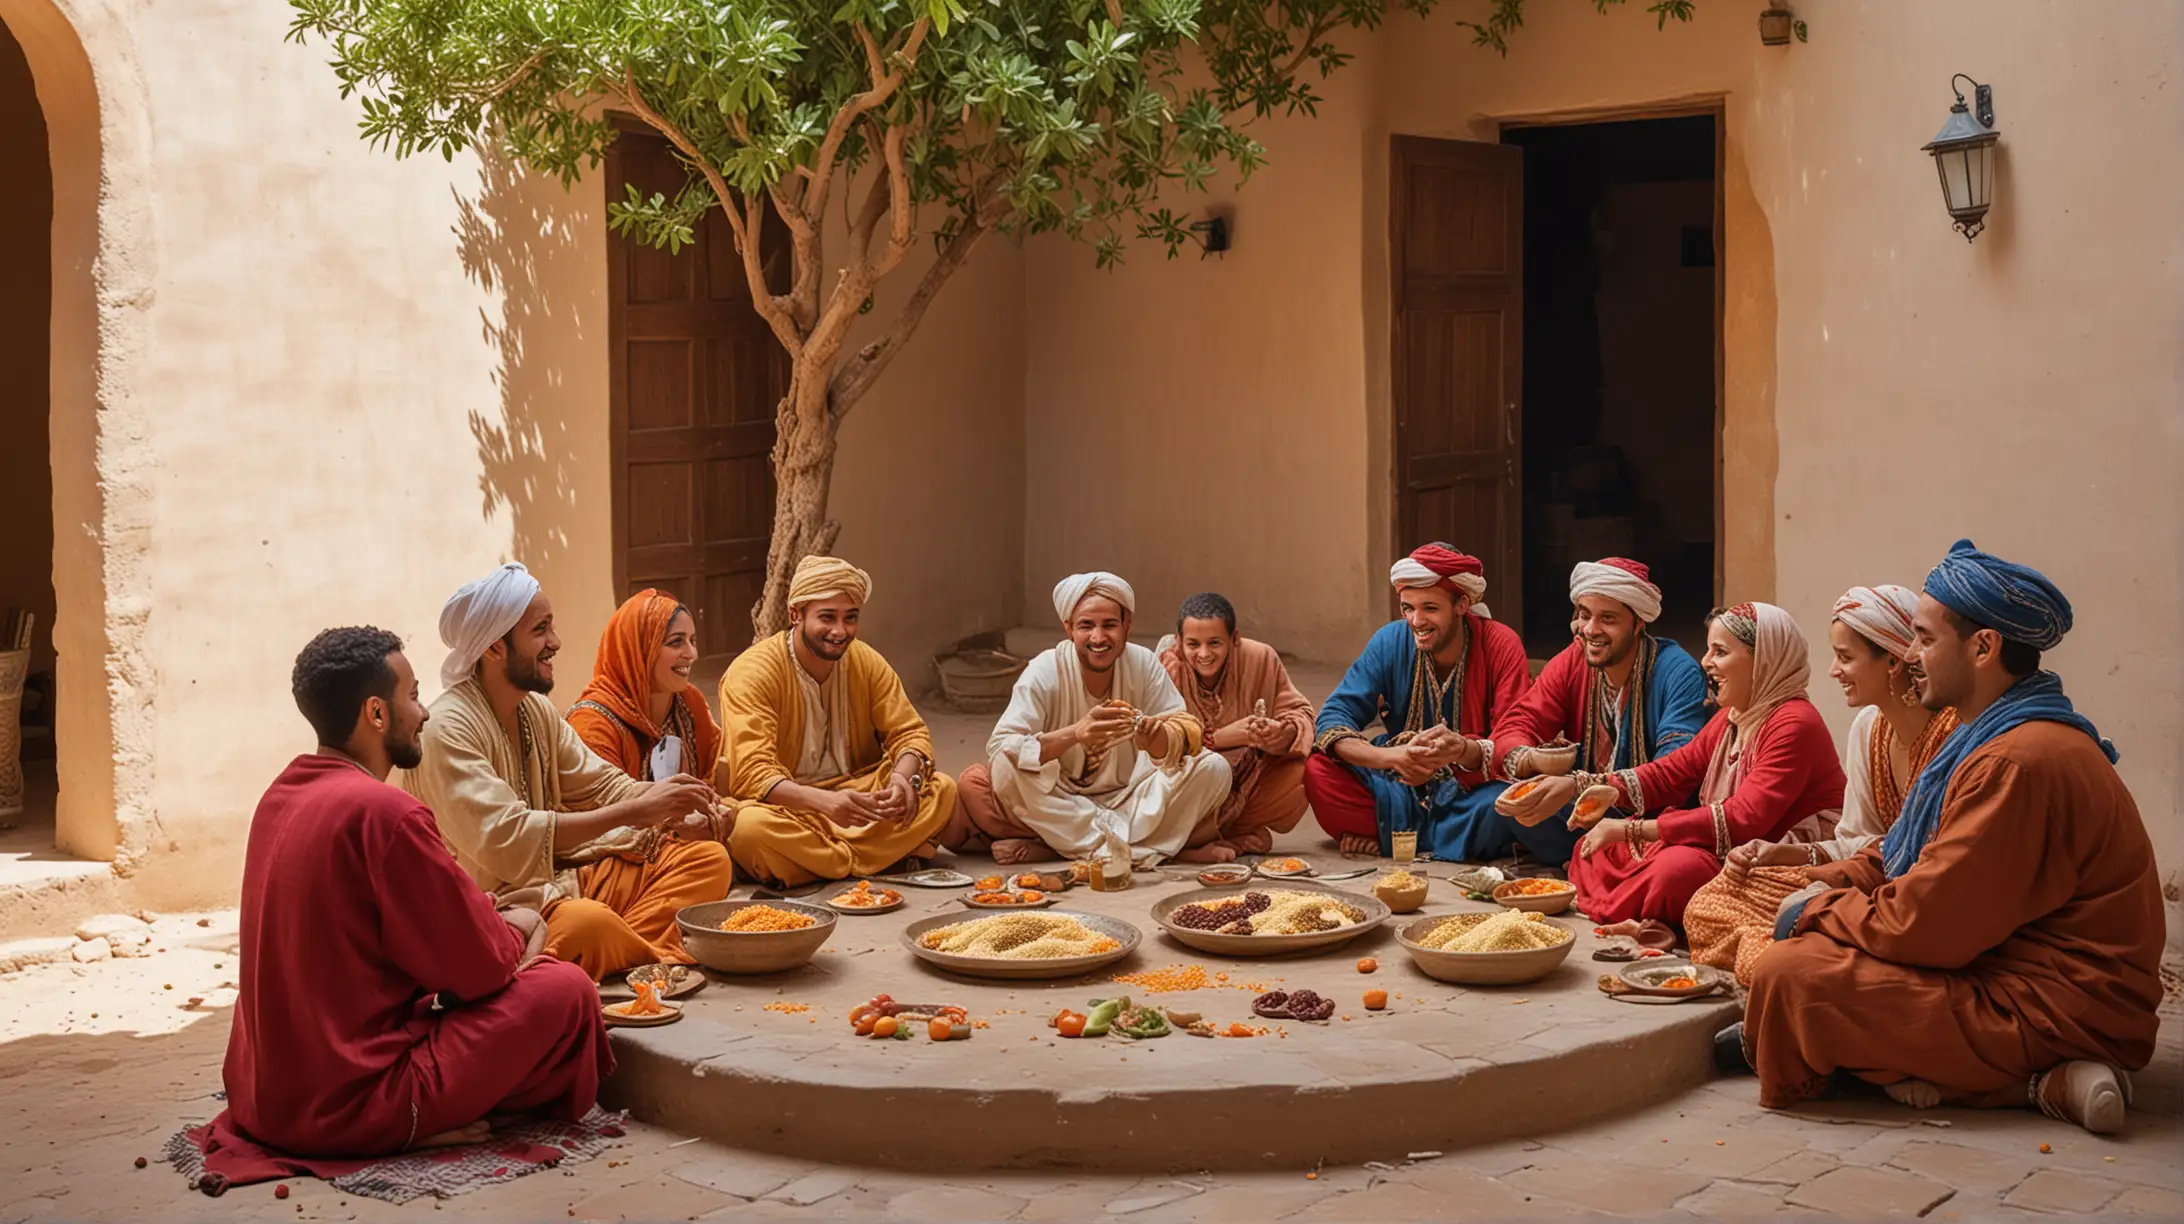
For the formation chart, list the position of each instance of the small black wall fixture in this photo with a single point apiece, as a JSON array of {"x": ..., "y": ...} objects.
[
  {"x": 1213, "y": 235},
  {"x": 1963, "y": 154}
]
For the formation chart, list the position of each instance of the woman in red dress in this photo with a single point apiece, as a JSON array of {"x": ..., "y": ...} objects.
[{"x": 1763, "y": 767}]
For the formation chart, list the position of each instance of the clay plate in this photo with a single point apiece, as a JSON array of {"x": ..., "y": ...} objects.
[
  {"x": 1276, "y": 873},
  {"x": 1646, "y": 976},
  {"x": 616, "y": 1019},
  {"x": 1123, "y": 933},
  {"x": 1376, "y": 912},
  {"x": 888, "y": 908},
  {"x": 984, "y": 905},
  {"x": 672, "y": 981}
]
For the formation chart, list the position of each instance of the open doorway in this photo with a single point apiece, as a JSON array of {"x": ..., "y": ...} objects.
[
  {"x": 1621, "y": 344},
  {"x": 27, "y": 776}
]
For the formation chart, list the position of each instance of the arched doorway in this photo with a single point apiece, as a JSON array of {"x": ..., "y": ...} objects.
[{"x": 87, "y": 95}]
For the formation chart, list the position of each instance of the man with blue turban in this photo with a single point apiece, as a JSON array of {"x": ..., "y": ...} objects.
[{"x": 2002, "y": 944}]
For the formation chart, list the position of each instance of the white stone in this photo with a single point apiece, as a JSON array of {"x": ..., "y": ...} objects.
[
  {"x": 125, "y": 947},
  {"x": 107, "y": 926},
  {"x": 90, "y": 950}
]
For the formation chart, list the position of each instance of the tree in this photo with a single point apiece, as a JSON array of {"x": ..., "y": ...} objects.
[{"x": 956, "y": 118}]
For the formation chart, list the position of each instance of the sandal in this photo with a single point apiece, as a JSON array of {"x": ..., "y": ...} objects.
[{"x": 2090, "y": 1094}]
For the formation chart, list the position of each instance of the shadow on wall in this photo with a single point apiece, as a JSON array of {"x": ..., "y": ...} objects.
[{"x": 533, "y": 247}]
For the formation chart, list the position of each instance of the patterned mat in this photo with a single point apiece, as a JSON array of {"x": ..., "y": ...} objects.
[{"x": 519, "y": 1151}]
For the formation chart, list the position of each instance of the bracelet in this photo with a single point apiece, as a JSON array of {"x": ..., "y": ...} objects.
[{"x": 1812, "y": 854}]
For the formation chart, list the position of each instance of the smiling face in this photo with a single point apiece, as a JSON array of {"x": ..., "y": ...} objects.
[
  {"x": 1728, "y": 667},
  {"x": 1100, "y": 628},
  {"x": 405, "y": 716},
  {"x": 828, "y": 626},
  {"x": 1432, "y": 614},
  {"x": 1867, "y": 673},
  {"x": 1607, "y": 628},
  {"x": 1205, "y": 644},
  {"x": 671, "y": 663},
  {"x": 526, "y": 654}
]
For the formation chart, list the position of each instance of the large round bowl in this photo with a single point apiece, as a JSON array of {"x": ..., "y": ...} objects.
[
  {"x": 1126, "y": 939},
  {"x": 752, "y": 951},
  {"x": 1482, "y": 968},
  {"x": 1376, "y": 912}
]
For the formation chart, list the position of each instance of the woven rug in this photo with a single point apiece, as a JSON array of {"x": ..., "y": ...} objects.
[{"x": 519, "y": 1151}]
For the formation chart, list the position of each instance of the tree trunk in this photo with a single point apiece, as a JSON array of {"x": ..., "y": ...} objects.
[{"x": 803, "y": 464}]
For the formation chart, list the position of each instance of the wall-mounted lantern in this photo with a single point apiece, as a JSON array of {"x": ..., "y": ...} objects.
[
  {"x": 1964, "y": 156},
  {"x": 1777, "y": 26},
  {"x": 1212, "y": 234}
]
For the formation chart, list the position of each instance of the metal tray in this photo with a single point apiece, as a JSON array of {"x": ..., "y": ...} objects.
[
  {"x": 1376, "y": 912},
  {"x": 1123, "y": 933}
]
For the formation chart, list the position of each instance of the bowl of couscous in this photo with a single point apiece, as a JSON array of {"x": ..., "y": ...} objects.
[
  {"x": 754, "y": 936},
  {"x": 1500, "y": 949}
]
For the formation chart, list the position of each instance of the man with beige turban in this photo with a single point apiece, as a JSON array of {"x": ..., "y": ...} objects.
[
  {"x": 1096, "y": 757},
  {"x": 828, "y": 761},
  {"x": 537, "y": 818}
]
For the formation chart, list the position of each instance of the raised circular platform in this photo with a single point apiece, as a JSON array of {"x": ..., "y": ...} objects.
[{"x": 1444, "y": 1066}]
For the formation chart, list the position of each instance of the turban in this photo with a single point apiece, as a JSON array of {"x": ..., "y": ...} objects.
[
  {"x": 2015, "y": 601},
  {"x": 1880, "y": 615},
  {"x": 481, "y": 613},
  {"x": 1621, "y": 579},
  {"x": 1077, "y": 588},
  {"x": 1438, "y": 565},
  {"x": 818, "y": 578}
]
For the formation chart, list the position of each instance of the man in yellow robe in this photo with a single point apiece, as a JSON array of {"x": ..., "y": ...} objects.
[
  {"x": 536, "y": 817},
  {"x": 828, "y": 762}
]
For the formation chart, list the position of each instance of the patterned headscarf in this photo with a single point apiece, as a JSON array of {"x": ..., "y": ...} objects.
[
  {"x": 1440, "y": 565},
  {"x": 1781, "y": 667},
  {"x": 1621, "y": 579},
  {"x": 1881, "y": 615},
  {"x": 2014, "y": 600}
]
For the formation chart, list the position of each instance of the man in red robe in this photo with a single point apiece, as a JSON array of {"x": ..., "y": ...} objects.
[{"x": 384, "y": 1004}]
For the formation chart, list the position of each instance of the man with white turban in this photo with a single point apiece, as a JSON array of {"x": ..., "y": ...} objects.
[
  {"x": 1438, "y": 680},
  {"x": 535, "y": 816},
  {"x": 830, "y": 764},
  {"x": 1096, "y": 757},
  {"x": 1618, "y": 693}
]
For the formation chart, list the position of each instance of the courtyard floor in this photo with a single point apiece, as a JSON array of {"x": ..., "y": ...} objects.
[{"x": 100, "y": 1063}]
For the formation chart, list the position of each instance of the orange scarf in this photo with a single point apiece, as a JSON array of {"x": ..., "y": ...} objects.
[{"x": 614, "y": 713}]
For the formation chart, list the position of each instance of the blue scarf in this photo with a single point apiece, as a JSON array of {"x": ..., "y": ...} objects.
[{"x": 2036, "y": 698}]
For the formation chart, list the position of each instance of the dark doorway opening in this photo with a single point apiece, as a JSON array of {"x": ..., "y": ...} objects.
[{"x": 1621, "y": 343}]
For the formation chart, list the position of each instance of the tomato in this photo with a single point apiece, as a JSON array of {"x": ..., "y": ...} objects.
[
  {"x": 1376, "y": 1000},
  {"x": 885, "y": 1026},
  {"x": 1069, "y": 1024},
  {"x": 865, "y": 1024}
]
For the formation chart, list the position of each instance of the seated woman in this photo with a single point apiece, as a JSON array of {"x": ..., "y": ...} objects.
[
  {"x": 1763, "y": 766},
  {"x": 1731, "y": 920},
  {"x": 640, "y": 712}
]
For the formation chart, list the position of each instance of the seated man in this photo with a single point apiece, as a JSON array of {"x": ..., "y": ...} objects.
[
  {"x": 2001, "y": 945},
  {"x": 355, "y": 919},
  {"x": 535, "y": 816},
  {"x": 1622, "y": 695},
  {"x": 1254, "y": 717},
  {"x": 828, "y": 759},
  {"x": 1437, "y": 680},
  {"x": 1096, "y": 756}
]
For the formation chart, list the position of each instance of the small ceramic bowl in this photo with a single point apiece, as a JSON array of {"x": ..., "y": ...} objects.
[
  {"x": 1400, "y": 898},
  {"x": 1542, "y": 903}
]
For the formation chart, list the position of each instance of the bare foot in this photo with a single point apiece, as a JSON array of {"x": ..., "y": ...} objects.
[
  {"x": 1918, "y": 1094},
  {"x": 477, "y": 1132},
  {"x": 1358, "y": 843},
  {"x": 1008, "y": 851},
  {"x": 1258, "y": 842},
  {"x": 1211, "y": 852}
]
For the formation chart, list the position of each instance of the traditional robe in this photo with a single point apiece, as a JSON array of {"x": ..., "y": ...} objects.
[
  {"x": 1122, "y": 805},
  {"x": 354, "y": 919},
  {"x": 1786, "y": 778},
  {"x": 2029, "y": 932},
  {"x": 1266, "y": 791},
  {"x": 1571, "y": 700},
  {"x": 610, "y": 903},
  {"x": 1393, "y": 684},
  {"x": 1730, "y": 923},
  {"x": 845, "y": 734}
]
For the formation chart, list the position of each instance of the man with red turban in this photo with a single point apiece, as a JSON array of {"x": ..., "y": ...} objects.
[
  {"x": 1436, "y": 680},
  {"x": 1619, "y": 694}
]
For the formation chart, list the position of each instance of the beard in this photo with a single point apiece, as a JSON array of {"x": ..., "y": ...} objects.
[
  {"x": 406, "y": 753},
  {"x": 529, "y": 675},
  {"x": 824, "y": 650},
  {"x": 1616, "y": 654}
]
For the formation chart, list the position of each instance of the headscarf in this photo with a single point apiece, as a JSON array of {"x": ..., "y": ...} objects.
[
  {"x": 1077, "y": 588},
  {"x": 1621, "y": 579},
  {"x": 1439, "y": 565},
  {"x": 818, "y": 578},
  {"x": 479, "y": 614},
  {"x": 621, "y": 687},
  {"x": 1881, "y": 615},
  {"x": 2014, "y": 600},
  {"x": 1780, "y": 671}
]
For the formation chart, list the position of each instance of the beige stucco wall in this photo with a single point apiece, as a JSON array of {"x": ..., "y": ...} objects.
[{"x": 349, "y": 384}]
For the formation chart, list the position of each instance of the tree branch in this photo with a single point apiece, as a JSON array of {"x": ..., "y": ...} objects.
[
  {"x": 884, "y": 85},
  {"x": 854, "y": 377}
]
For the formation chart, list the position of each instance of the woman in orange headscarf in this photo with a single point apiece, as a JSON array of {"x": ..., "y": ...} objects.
[{"x": 640, "y": 696}]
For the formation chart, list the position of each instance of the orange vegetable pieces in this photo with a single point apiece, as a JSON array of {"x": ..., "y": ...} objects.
[
  {"x": 1030, "y": 897},
  {"x": 1520, "y": 790},
  {"x": 885, "y": 1026},
  {"x": 1376, "y": 1000},
  {"x": 1368, "y": 965},
  {"x": 988, "y": 884},
  {"x": 1070, "y": 1024},
  {"x": 648, "y": 1000},
  {"x": 1029, "y": 879},
  {"x": 939, "y": 1029}
]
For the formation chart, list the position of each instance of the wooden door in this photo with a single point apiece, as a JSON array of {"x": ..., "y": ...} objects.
[
  {"x": 696, "y": 375},
  {"x": 1458, "y": 256}
]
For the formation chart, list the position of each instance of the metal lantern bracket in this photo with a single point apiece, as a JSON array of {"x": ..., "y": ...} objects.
[
  {"x": 1213, "y": 235},
  {"x": 1982, "y": 99}
]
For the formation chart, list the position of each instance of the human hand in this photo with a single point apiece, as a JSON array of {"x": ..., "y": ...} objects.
[
  {"x": 896, "y": 801},
  {"x": 1415, "y": 764},
  {"x": 1547, "y": 796},
  {"x": 1103, "y": 724},
  {"x": 672, "y": 798},
  {"x": 1237, "y": 734},
  {"x": 853, "y": 809},
  {"x": 692, "y": 826},
  {"x": 529, "y": 924},
  {"x": 1591, "y": 805},
  {"x": 1605, "y": 833},
  {"x": 1272, "y": 735}
]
